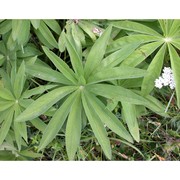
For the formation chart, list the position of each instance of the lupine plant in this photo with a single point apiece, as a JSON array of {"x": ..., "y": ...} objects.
[
  {"x": 79, "y": 73},
  {"x": 81, "y": 87}
]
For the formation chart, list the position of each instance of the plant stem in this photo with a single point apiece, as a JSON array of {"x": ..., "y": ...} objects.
[{"x": 169, "y": 102}]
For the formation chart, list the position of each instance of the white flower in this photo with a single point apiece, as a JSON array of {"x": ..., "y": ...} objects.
[
  {"x": 158, "y": 83},
  {"x": 167, "y": 79}
]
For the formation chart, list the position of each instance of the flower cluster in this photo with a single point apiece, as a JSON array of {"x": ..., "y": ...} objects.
[{"x": 167, "y": 79}]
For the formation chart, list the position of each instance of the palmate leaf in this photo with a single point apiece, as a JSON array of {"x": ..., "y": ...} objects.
[
  {"x": 97, "y": 52},
  {"x": 73, "y": 127},
  {"x": 19, "y": 80},
  {"x": 175, "y": 63},
  {"x": 107, "y": 117},
  {"x": 37, "y": 90},
  {"x": 175, "y": 27},
  {"x": 118, "y": 56},
  {"x": 122, "y": 72},
  {"x": 35, "y": 23},
  {"x": 133, "y": 97},
  {"x": 75, "y": 58},
  {"x": 116, "y": 92},
  {"x": 61, "y": 65},
  {"x": 87, "y": 27},
  {"x": 130, "y": 40},
  {"x": 5, "y": 104},
  {"x": 97, "y": 127},
  {"x": 136, "y": 27},
  {"x": 141, "y": 53},
  {"x": 153, "y": 71},
  {"x": 53, "y": 24},
  {"x": 20, "y": 30},
  {"x": 57, "y": 121},
  {"x": 129, "y": 114},
  {"x": 5, "y": 26},
  {"x": 44, "y": 103},
  {"x": 46, "y": 34},
  {"x": 47, "y": 74},
  {"x": 6, "y": 125},
  {"x": 153, "y": 104},
  {"x": 6, "y": 94},
  {"x": 20, "y": 129}
]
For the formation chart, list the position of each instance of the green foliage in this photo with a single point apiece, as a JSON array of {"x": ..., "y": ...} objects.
[{"x": 63, "y": 78}]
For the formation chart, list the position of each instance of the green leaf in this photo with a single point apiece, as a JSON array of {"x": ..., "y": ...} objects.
[
  {"x": 6, "y": 125},
  {"x": 5, "y": 105},
  {"x": 61, "y": 65},
  {"x": 20, "y": 127},
  {"x": 153, "y": 71},
  {"x": 118, "y": 56},
  {"x": 130, "y": 40},
  {"x": 5, "y": 26},
  {"x": 53, "y": 24},
  {"x": 97, "y": 127},
  {"x": 129, "y": 114},
  {"x": 97, "y": 52},
  {"x": 47, "y": 74},
  {"x": 11, "y": 44},
  {"x": 141, "y": 53},
  {"x": 20, "y": 30},
  {"x": 73, "y": 128},
  {"x": 136, "y": 27},
  {"x": 30, "y": 50},
  {"x": 43, "y": 103},
  {"x": 38, "y": 90},
  {"x": 35, "y": 23},
  {"x": 39, "y": 124},
  {"x": 175, "y": 64},
  {"x": 162, "y": 24},
  {"x": 17, "y": 134},
  {"x": 31, "y": 154},
  {"x": 108, "y": 118},
  {"x": 175, "y": 27},
  {"x": 61, "y": 42},
  {"x": 116, "y": 92},
  {"x": 87, "y": 27},
  {"x": 6, "y": 81},
  {"x": 122, "y": 72},
  {"x": 43, "y": 39},
  {"x": 46, "y": 33},
  {"x": 74, "y": 56},
  {"x": 57, "y": 121},
  {"x": 153, "y": 104},
  {"x": 176, "y": 43},
  {"x": 6, "y": 94},
  {"x": 19, "y": 81}
]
